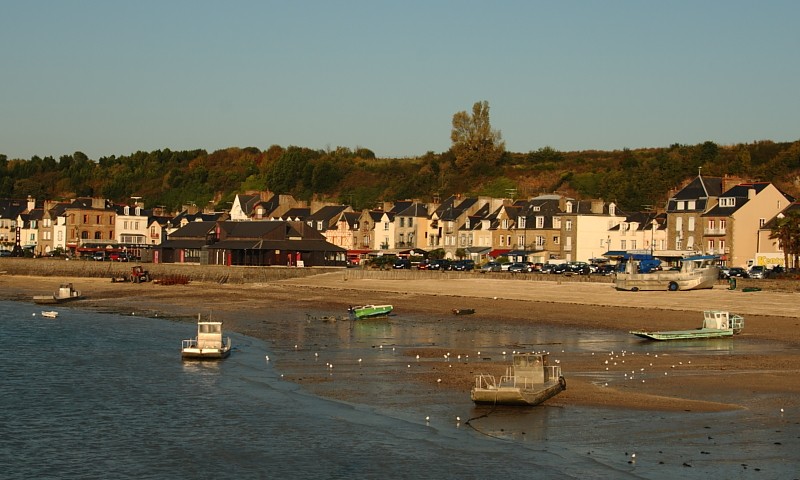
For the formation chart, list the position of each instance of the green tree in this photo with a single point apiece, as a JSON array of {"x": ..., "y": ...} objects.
[
  {"x": 787, "y": 232},
  {"x": 475, "y": 145}
]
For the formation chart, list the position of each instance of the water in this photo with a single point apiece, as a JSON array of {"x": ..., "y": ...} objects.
[{"x": 94, "y": 395}]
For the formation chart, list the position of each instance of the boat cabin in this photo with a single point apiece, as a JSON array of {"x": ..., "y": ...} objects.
[
  {"x": 209, "y": 335},
  {"x": 722, "y": 320},
  {"x": 529, "y": 369}
]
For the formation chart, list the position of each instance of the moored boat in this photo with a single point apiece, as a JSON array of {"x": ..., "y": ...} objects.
[
  {"x": 530, "y": 380},
  {"x": 463, "y": 311},
  {"x": 716, "y": 324},
  {"x": 50, "y": 314},
  {"x": 209, "y": 343},
  {"x": 696, "y": 272},
  {"x": 65, "y": 293},
  {"x": 369, "y": 311}
]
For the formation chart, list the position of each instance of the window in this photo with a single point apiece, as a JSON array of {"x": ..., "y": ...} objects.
[
  {"x": 410, "y": 221},
  {"x": 727, "y": 202},
  {"x": 690, "y": 243},
  {"x": 679, "y": 224},
  {"x": 400, "y": 238},
  {"x": 633, "y": 244},
  {"x": 711, "y": 225},
  {"x": 508, "y": 237},
  {"x": 386, "y": 225},
  {"x": 86, "y": 219},
  {"x": 502, "y": 241},
  {"x": 691, "y": 224},
  {"x": 556, "y": 240},
  {"x": 723, "y": 225},
  {"x": 691, "y": 205},
  {"x": 521, "y": 222},
  {"x": 125, "y": 224},
  {"x": 721, "y": 244},
  {"x": 539, "y": 222},
  {"x": 762, "y": 222},
  {"x": 505, "y": 224},
  {"x": 710, "y": 246},
  {"x": 319, "y": 225},
  {"x": 623, "y": 244},
  {"x": 537, "y": 208},
  {"x": 98, "y": 219},
  {"x": 568, "y": 207},
  {"x": 557, "y": 222},
  {"x": 402, "y": 222},
  {"x": 521, "y": 240},
  {"x": 681, "y": 205},
  {"x": 60, "y": 236},
  {"x": 568, "y": 225},
  {"x": 98, "y": 235}
]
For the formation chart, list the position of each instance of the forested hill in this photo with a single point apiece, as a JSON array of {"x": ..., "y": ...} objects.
[{"x": 631, "y": 178}]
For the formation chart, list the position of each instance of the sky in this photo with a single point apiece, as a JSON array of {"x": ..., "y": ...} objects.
[{"x": 112, "y": 77}]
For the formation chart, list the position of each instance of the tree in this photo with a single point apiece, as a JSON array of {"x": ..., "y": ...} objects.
[
  {"x": 475, "y": 145},
  {"x": 787, "y": 232}
]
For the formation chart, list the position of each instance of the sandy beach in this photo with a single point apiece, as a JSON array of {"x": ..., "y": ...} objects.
[{"x": 764, "y": 376}]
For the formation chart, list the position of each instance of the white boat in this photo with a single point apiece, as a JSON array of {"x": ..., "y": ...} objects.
[
  {"x": 65, "y": 293},
  {"x": 716, "y": 324},
  {"x": 530, "y": 380},
  {"x": 209, "y": 343},
  {"x": 50, "y": 314},
  {"x": 696, "y": 272}
]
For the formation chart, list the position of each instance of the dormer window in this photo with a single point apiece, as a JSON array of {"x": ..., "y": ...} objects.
[
  {"x": 727, "y": 202},
  {"x": 681, "y": 205},
  {"x": 691, "y": 205},
  {"x": 539, "y": 222},
  {"x": 521, "y": 222},
  {"x": 568, "y": 207},
  {"x": 127, "y": 210},
  {"x": 537, "y": 208},
  {"x": 612, "y": 209}
]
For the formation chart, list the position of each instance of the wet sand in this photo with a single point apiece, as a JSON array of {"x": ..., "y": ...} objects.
[{"x": 764, "y": 379}]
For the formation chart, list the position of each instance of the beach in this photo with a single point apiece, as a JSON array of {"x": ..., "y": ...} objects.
[{"x": 699, "y": 381}]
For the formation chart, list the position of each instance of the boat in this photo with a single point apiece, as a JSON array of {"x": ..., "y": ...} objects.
[
  {"x": 696, "y": 272},
  {"x": 463, "y": 311},
  {"x": 716, "y": 324},
  {"x": 530, "y": 380},
  {"x": 50, "y": 314},
  {"x": 209, "y": 344},
  {"x": 369, "y": 311},
  {"x": 65, "y": 293}
]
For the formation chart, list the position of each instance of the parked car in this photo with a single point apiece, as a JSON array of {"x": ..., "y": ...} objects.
[
  {"x": 724, "y": 272},
  {"x": 505, "y": 265},
  {"x": 119, "y": 257},
  {"x": 490, "y": 267},
  {"x": 440, "y": 264},
  {"x": 738, "y": 272},
  {"x": 402, "y": 263},
  {"x": 559, "y": 268},
  {"x": 464, "y": 265},
  {"x": 604, "y": 270},
  {"x": 424, "y": 265},
  {"x": 547, "y": 268},
  {"x": 5, "y": 253},
  {"x": 99, "y": 256},
  {"x": 757, "y": 271},
  {"x": 520, "y": 267}
]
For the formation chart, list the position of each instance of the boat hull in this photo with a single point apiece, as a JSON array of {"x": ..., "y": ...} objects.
[
  {"x": 515, "y": 396},
  {"x": 205, "y": 353},
  {"x": 369, "y": 311},
  {"x": 684, "y": 334}
]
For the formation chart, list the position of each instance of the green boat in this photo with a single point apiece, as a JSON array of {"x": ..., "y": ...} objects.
[
  {"x": 369, "y": 311},
  {"x": 716, "y": 324}
]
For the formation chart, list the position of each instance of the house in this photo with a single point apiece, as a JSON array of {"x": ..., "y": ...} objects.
[
  {"x": 411, "y": 224},
  {"x": 684, "y": 209},
  {"x": 537, "y": 229},
  {"x": 731, "y": 228},
  {"x": 255, "y": 243},
  {"x": 261, "y": 206},
  {"x": 326, "y": 217},
  {"x": 586, "y": 227},
  {"x": 448, "y": 219},
  {"x": 9, "y": 215},
  {"x": 91, "y": 225},
  {"x": 644, "y": 231}
]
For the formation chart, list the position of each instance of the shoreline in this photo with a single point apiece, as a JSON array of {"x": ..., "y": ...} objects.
[{"x": 767, "y": 380}]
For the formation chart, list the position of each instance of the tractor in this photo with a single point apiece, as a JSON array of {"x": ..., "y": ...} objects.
[{"x": 139, "y": 274}]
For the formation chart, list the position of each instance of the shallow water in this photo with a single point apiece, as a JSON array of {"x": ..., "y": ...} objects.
[{"x": 91, "y": 395}]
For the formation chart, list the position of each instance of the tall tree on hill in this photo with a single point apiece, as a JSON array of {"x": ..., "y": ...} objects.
[{"x": 475, "y": 145}]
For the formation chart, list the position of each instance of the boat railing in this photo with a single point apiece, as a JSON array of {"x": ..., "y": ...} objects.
[
  {"x": 552, "y": 372},
  {"x": 736, "y": 322},
  {"x": 189, "y": 343},
  {"x": 485, "y": 382}
]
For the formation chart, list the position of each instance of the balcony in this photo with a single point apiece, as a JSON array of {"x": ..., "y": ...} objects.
[{"x": 715, "y": 231}]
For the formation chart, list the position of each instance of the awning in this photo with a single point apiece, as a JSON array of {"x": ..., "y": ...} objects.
[{"x": 499, "y": 252}]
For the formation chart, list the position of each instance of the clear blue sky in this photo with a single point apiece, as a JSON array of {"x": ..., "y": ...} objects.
[{"x": 112, "y": 77}]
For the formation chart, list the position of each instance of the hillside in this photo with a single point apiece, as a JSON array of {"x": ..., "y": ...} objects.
[{"x": 632, "y": 178}]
